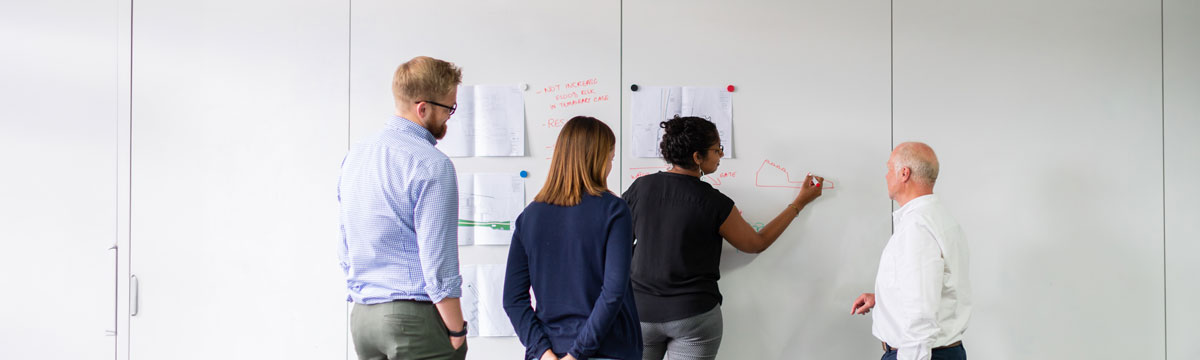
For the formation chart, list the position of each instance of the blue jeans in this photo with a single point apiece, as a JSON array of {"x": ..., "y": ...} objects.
[{"x": 954, "y": 353}]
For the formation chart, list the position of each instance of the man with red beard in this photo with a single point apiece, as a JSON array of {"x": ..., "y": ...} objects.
[{"x": 399, "y": 215}]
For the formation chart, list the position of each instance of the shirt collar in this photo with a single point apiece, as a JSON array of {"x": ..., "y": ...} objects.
[
  {"x": 912, "y": 205},
  {"x": 407, "y": 126}
]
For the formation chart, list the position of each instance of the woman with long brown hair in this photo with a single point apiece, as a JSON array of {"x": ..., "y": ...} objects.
[{"x": 573, "y": 246}]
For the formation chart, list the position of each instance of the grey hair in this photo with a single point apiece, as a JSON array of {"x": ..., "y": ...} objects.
[{"x": 920, "y": 159}]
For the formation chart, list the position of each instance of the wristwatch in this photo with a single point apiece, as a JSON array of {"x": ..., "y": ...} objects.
[{"x": 460, "y": 333}]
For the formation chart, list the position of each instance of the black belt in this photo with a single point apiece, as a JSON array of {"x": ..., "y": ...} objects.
[
  {"x": 415, "y": 301},
  {"x": 887, "y": 347}
]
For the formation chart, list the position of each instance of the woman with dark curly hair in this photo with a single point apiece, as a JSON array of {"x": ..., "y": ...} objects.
[{"x": 678, "y": 224}]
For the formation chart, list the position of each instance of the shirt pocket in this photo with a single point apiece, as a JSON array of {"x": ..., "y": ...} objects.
[{"x": 888, "y": 276}]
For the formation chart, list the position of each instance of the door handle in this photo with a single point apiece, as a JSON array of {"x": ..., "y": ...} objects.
[
  {"x": 116, "y": 274},
  {"x": 133, "y": 295}
]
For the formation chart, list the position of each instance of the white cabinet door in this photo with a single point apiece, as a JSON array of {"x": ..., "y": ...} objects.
[
  {"x": 58, "y": 181},
  {"x": 239, "y": 125},
  {"x": 1181, "y": 129}
]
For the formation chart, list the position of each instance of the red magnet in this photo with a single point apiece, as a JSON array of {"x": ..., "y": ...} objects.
[{"x": 730, "y": 88}]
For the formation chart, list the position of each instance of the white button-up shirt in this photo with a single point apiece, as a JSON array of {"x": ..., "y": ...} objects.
[{"x": 922, "y": 291}]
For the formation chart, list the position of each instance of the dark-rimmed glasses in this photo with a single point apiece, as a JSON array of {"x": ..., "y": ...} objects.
[{"x": 451, "y": 108}]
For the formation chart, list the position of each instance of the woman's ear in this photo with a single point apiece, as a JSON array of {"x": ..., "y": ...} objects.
[{"x": 697, "y": 158}]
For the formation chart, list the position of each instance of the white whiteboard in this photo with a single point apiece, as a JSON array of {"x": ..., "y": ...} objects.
[
  {"x": 1026, "y": 103},
  {"x": 556, "y": 48},
  {"x": 1048, "y": 124},
  {"x": 811, "y": 95}
]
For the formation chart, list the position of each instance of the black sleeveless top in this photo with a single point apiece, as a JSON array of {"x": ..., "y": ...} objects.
[{"x": 677, "y": 251}]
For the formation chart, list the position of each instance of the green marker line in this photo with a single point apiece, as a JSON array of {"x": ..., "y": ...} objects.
[{"x": 495, "y": 225}]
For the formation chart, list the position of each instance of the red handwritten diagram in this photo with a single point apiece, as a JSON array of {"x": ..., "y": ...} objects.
[
  {"x": 714, "y": 178},
  {"x": 772, "y": 175}
]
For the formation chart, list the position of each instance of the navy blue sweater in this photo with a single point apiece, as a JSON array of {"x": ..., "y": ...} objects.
[{"x": 576, "y": 259}]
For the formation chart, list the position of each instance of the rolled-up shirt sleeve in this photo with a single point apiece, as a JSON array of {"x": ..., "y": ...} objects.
[
  {"x": 919, "y": 270},
  {"x": 435, "y": 221},
  {"x": 343, "y": 249}
]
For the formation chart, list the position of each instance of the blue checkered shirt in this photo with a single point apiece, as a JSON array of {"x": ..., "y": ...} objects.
[{"x": 399, "y": 213}]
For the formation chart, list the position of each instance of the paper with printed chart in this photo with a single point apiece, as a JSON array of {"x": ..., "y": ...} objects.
[
  {"x": 654, "y": 104},
  {"x": 483, "y": 301},
  {"x": 490, "y": 121},
  {"x": 488, "y": 206}
]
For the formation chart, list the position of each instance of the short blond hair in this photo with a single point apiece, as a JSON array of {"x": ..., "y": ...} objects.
[
  {"x": 424, "y": 79},
  {"x": 577, "y": 168}
]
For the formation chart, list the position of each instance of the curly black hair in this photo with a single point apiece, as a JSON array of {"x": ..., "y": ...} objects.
[{"x": 683, "y": 136}]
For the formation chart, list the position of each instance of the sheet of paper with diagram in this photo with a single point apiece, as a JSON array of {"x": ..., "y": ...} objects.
[
  {"x": 654, "y": 104},
  {"x": 483, "y": 301},
  {"x": 488, "y": 206},
  {"x": 490, "y": 121}
]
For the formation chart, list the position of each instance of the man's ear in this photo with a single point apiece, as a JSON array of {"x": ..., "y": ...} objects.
[{"x": 421, "y": 109}]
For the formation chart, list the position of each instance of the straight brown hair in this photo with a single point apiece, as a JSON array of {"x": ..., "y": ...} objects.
[{"x": 580, "y": 156}]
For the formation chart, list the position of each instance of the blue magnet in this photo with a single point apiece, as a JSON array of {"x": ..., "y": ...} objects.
[{"x": 524, "y": 174}]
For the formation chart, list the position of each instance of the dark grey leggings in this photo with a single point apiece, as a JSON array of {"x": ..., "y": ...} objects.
[{"x": 694, "y": 338}]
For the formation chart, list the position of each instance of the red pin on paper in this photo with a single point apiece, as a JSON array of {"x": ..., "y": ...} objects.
[{"x": 730, "y": 88}]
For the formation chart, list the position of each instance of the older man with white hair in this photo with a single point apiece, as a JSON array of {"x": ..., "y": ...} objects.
[{"x": 922, "y": 296}]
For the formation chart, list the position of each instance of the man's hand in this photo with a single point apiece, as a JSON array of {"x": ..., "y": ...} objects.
[
  {"x": 863, "y": 304},
  {"x": 549, "y": 355},
  {"x": 451, "y": 311}
]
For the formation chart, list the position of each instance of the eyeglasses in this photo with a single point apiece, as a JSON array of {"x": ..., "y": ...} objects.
[
  {"x": 451, "y": 108},
  {"x": 719, "y": 149}
]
